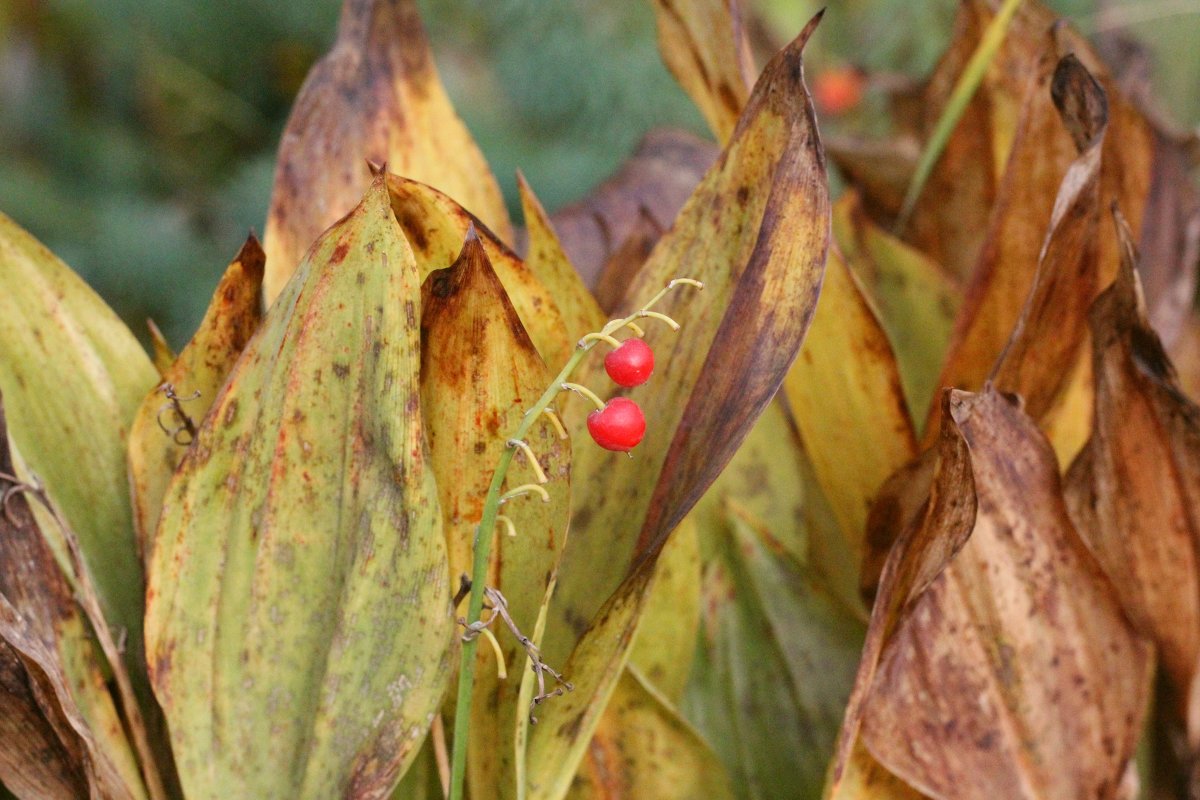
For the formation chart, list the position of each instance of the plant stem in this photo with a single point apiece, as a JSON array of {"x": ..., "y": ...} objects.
[
  {"x": 960, "y": 97},
  {"x": 487, "y": 524}
]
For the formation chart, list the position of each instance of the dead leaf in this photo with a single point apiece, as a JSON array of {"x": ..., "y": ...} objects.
[
  {"x": 849, "y": 406},
  {"x": 376, "y": 96},
  {"x": 1013, "y": 671},
  {"x": 1134, "y": 492}
]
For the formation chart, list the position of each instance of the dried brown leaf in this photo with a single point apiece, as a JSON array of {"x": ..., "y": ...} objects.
[
  {"x": 1134, "y": 492},
  {"x": 375, "y": 96}
]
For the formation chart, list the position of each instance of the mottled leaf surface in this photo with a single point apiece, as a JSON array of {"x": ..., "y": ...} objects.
[
  {"x": 298, "y": 607},
  {"x": 774, "y": 646},
  {"x": 376, "y": 96},
  {"x": 1005, "y": 667},
  {"x": 159, "y": 436}
]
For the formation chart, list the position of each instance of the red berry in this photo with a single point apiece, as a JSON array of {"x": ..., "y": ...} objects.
[
  {"x": 631, "y": 363},
  {"x": 619, "y": 426},
  {"x": 838, "y": 90}
]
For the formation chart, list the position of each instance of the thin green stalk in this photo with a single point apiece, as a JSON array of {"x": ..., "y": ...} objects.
[
  {"x": 487, "y": 524},
  {"x": 964, "y": 89}
]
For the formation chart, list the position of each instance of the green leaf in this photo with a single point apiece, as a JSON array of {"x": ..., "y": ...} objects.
[
  {"x": 73, "y": 376},
  {"x": 774, "y": 646},
  {"x": 298, "y": 608}
]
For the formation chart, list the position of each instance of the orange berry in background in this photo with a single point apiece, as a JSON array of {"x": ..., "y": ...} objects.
[{"x": 838, "y": 90}]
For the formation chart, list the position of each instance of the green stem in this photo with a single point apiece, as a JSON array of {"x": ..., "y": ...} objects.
[
  {"x": 964, "y": 89},
  {"x": 487, "y": 524}
]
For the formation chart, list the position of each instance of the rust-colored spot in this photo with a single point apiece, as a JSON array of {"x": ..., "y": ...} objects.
[{"x": 339, "y": 253}]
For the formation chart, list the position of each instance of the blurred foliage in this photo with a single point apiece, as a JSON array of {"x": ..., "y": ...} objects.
[{"x": 137, "y": 137}]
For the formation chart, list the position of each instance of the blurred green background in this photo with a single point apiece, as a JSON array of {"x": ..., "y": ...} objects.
[{"x": 137, "y": 137}]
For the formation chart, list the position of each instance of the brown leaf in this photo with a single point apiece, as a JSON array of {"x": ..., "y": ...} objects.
[
  {"x": 1014, "y": 673},
  {"x": 704, "y": 44},
  {"x": 624, "y": 263},
  {"x": 1134, "y": 492},
  {"x": 656, "y": 179},
  {"x": 163, "y": 429},
  {"x": 60, "y": 734},
  {"x": 435, "y": 226},
  {"x": 375, "y": 96}
]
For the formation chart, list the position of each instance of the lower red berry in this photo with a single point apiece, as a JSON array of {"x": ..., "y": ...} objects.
[
  {"x": 619, "y": 426},
  {"x": 631, "y": 363}
]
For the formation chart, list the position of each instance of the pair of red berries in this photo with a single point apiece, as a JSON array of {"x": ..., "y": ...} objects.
[{"x": 620, "y": 425}]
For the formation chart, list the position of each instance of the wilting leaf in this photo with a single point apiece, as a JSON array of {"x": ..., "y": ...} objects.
[
  {"x": 849, "y": 405},
  {"x": 60, "y": 735},
  {"x": 435, "y": 226},
  {"x": 72, "y": 377},
  {"x": 1134, "y": 491},
  {"x": 756, "y": 232},
  {"x": 704, "y": 45},
  {"x": 915, "y": 298},
  {"x": 300, "y": 569},
  {"x": 479, "y": 372},
  {"x": 643, "y": 748},
  {"x": 376, "y": 95},
  {"x": 159, "y": 434},
  {"x": 1005, "y": 668},
  {"x": 774, "y": 646},
  {"x": 656, "y": 180},
  {"x": 1040, "y": 275},
  {"x": 550, "y": 265},
  {"x": 670, "y": 622}
]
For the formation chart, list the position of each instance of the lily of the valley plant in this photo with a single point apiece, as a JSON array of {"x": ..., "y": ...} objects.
[{"x": 913, "y": 508}]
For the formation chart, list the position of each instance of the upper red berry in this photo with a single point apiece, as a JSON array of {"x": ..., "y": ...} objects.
[
  {"x": 631, "y": 363},
  {"x": 619, "y": 426}
]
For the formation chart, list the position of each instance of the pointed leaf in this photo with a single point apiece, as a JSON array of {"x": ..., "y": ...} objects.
[
  {"x": 376, "y": 95},
  {"x": 756, "y": 232},
  {"x": 845, "y": 392},
  {"x": 436, "y": 226},
  {"x": 158, "y": 436},
  {"x": 704, "y": 44},
  {"x": 479, "y": 371},
  {"x": 72, "y": 377},
  {"x": 300, "y": 568},
  {"x": 643, "y": 748}
]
